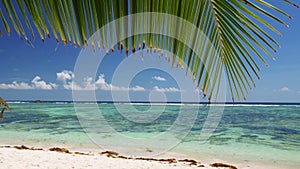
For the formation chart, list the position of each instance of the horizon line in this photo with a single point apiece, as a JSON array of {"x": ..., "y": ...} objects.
[{"x": 176, "y": 102}]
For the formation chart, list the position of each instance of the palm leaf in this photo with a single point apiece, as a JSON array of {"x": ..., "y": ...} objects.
[
  {"x": 237, "y": 30},
  {"x": 7, "y": 28},
  {"x": 23, "y": 11},
  {"x": 4, "y": 104}
]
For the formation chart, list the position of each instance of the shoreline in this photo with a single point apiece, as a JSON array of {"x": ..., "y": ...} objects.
[
  {"x": 58, "y": 157},
  {"x": 205, "y": 155}
]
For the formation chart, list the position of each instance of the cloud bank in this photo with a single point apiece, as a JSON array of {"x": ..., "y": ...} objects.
[
  {"x": 65, "y": 80},
  {"x": 169, "y": 89},
  {"x": 36, "y": 83},
  {"x": 89, "y": 83}
]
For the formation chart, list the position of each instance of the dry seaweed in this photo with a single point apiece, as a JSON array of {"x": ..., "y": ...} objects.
[
  {"x": 223, "y": 165},
  {"x": 57, "y": 149}
]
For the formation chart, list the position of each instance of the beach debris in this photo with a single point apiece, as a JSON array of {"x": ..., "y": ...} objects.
[
  {"x": 169, "y": 160},
  {"x": 113, "y": 154},
  {"x": 191, "y": 162},
  {"x": 3, "y": 106},
  {"x": 22, "y": 147},
  {"x": 124, "y": 157},
  {"x": 57, "y": 149},
  {"x": 223, "y": 165},
  {"x": 116, "y": 155},
  {"x": 146, "y": 159},
  {"x": 110, "y": 154},
  {"x": 33, "y": 148},
  {"x": 6, "y": 147},
  {"x": 80, "y": 153}
]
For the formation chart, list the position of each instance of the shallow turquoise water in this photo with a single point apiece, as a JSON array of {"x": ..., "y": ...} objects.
[{"x": 253, "y": 130}]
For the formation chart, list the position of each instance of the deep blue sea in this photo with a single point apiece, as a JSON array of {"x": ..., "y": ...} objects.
[{"x": 249, "y": 133}]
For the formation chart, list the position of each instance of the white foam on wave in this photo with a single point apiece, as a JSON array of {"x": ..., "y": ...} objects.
[
  {"x": 62, "y": 102},
  {"x": 19, "y": 102},
  {"x": 170, "y": 104},
  {"x": 259, "y": 105},
  {"x": 252, "y": 105}
]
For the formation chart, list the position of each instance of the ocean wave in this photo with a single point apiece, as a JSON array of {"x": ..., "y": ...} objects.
[
  {"x": 162, "y": 104},
  {"x": 260, "y": 105},
  {"x": 252, "y": 105},
  {"x": 169, "y": 104},
  {"x": 18, "y": 102},
  {"x": 87, "y": 103},
  {"x": 62, "y": 102}
]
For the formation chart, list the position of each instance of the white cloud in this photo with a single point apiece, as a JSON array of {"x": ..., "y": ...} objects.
[
  {"x": 40, "y": 84},
  {"x": 284, "y": 89},
  {"x": 36, "y": 83},
  {"x": 65, "y": 75},
  {"x": 159, "y": 78},
  {"x": 66, "y": 78},
  {"x": 169, "y": 89},
  {"x": 137, "y": 88},
  {"x": 15, "y": 85},
  {"x": 71, "y": 86},
  {"x": 87, "y": 85},
  {"x": 103, "y": 85},
  {"x": 99, "y": 84}
]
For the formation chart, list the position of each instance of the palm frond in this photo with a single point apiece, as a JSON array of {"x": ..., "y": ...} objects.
[
  {"x": 239, "y": 31},
  {"x": 4, "y": 104}
]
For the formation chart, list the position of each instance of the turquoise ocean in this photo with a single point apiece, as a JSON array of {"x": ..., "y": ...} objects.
[{"x": 247, "y": 134}]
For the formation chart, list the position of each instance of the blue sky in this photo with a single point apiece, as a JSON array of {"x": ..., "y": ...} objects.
[{"x": 46, "y": 71}]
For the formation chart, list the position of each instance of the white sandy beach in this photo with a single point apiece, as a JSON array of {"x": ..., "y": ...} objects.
[{"x": 12, "y": 158}]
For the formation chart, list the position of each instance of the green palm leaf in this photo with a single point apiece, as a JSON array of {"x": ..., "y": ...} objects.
[{"x": 237, "y": 29}]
